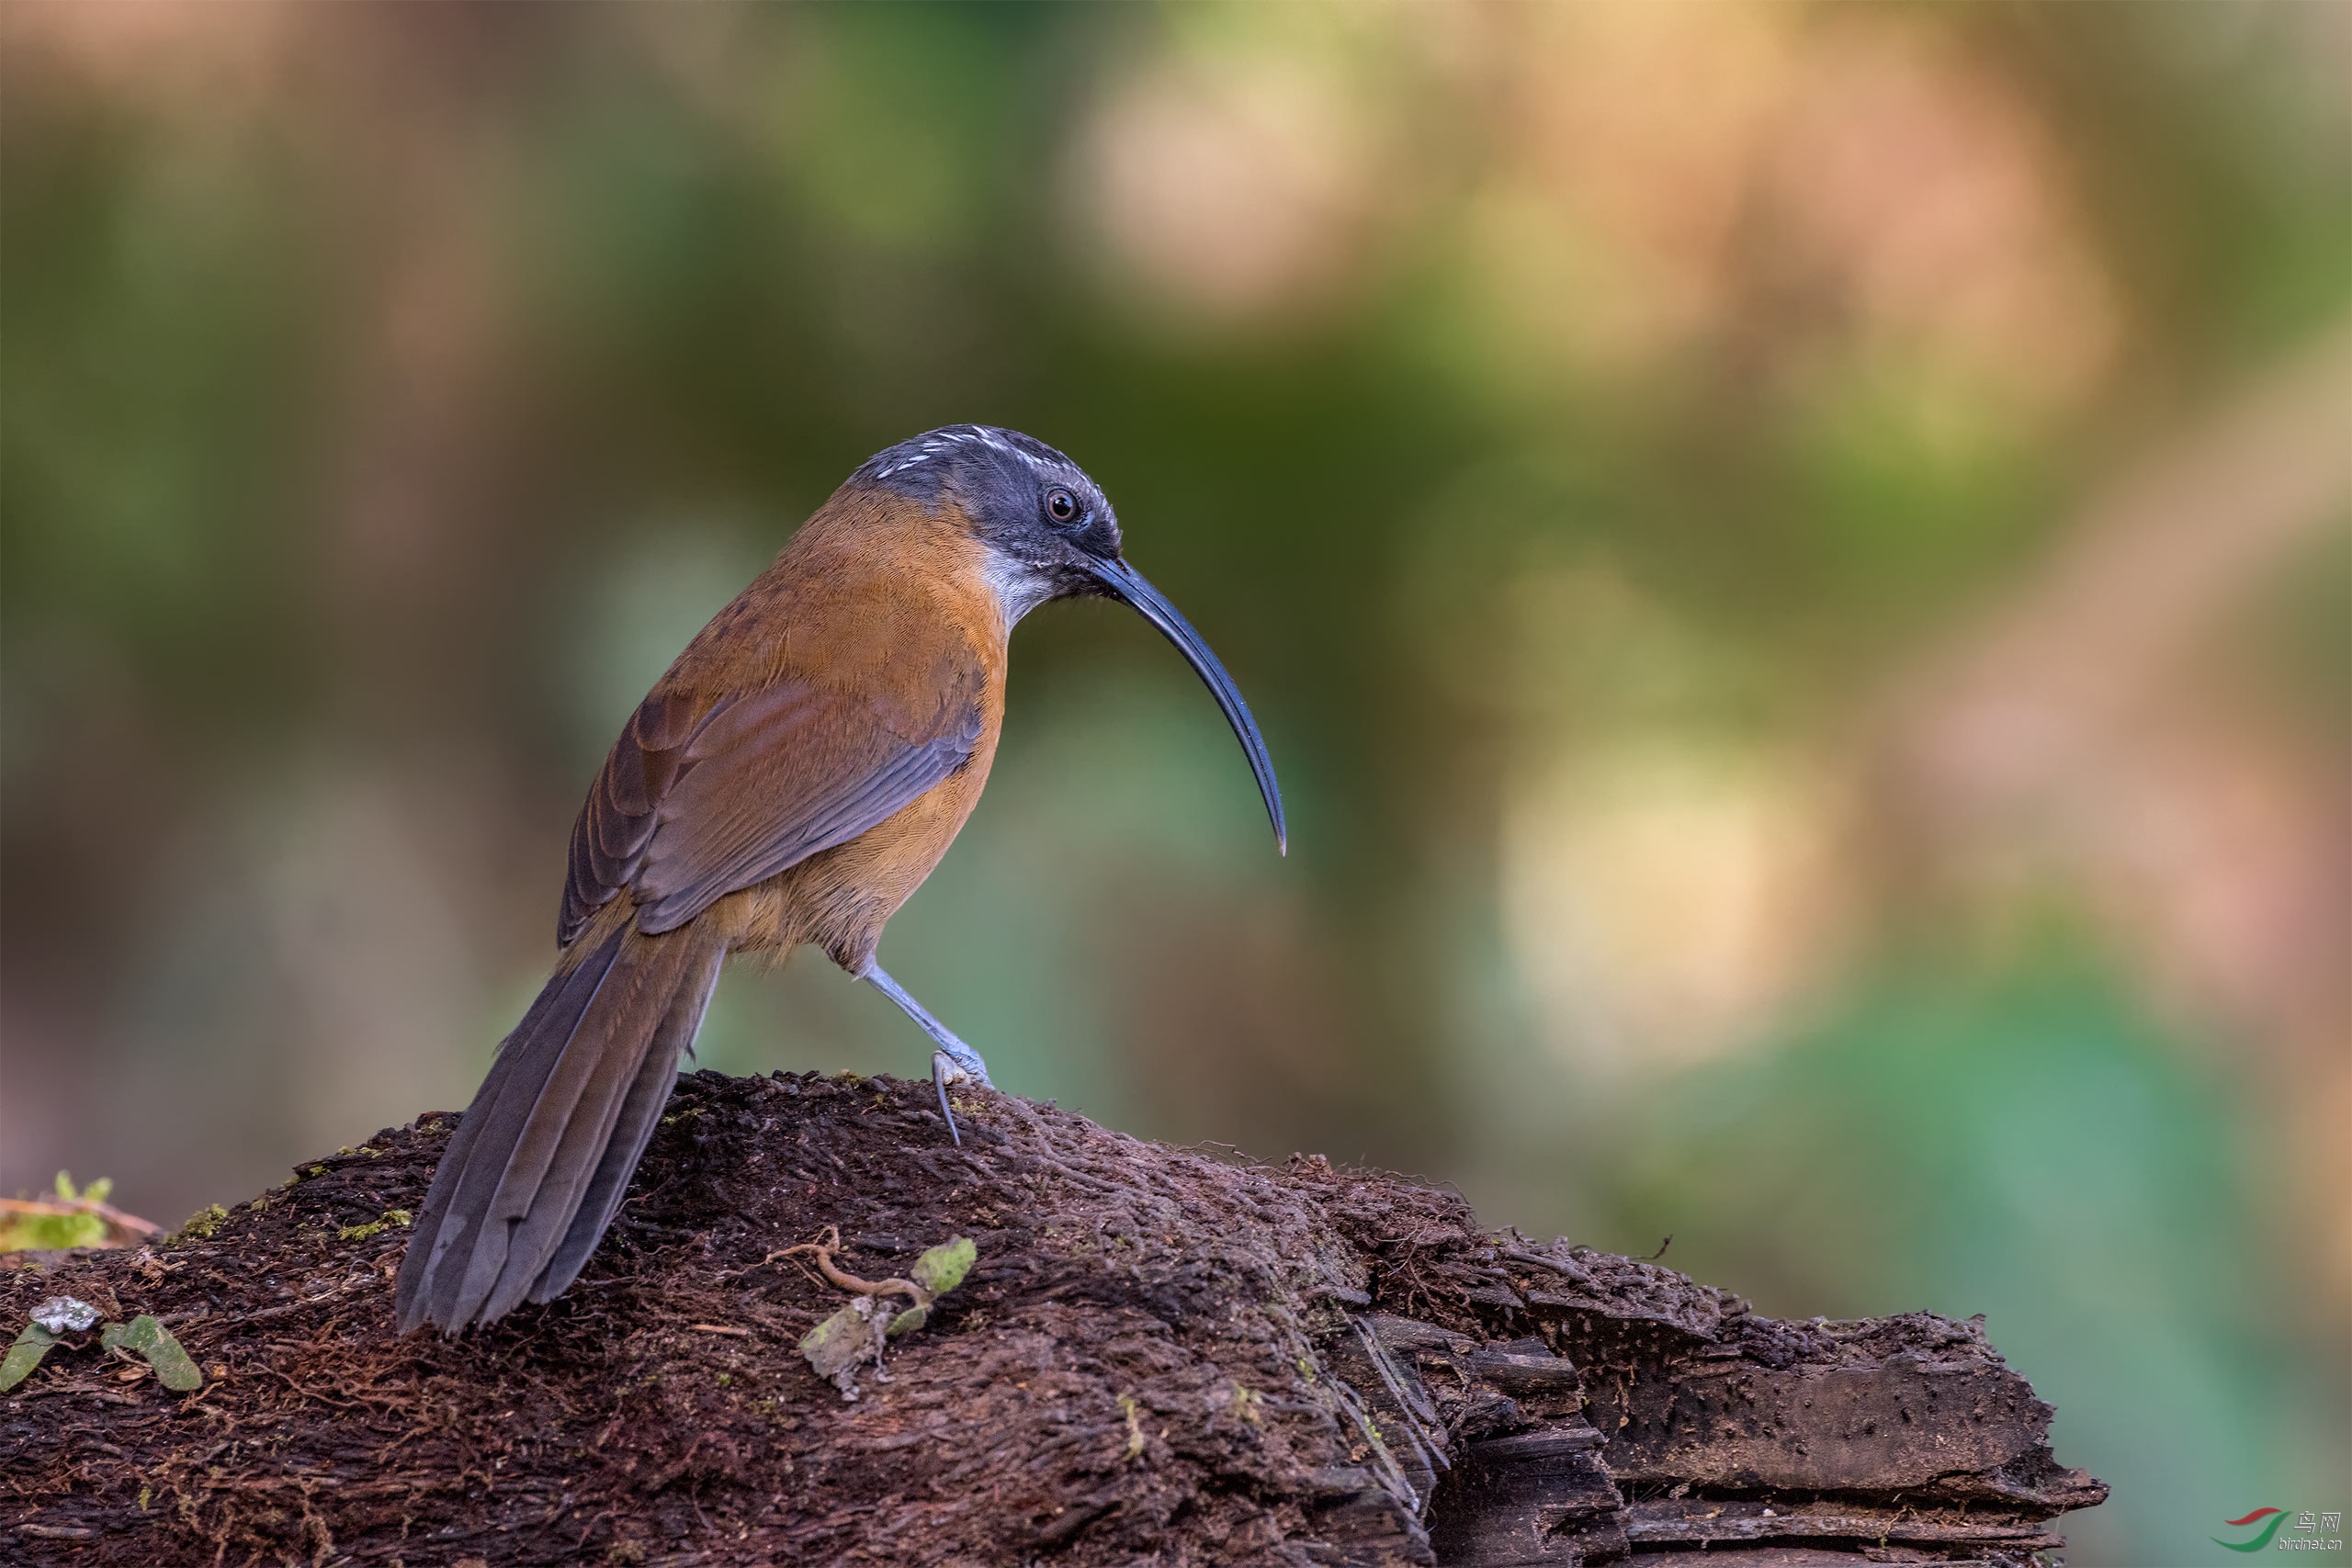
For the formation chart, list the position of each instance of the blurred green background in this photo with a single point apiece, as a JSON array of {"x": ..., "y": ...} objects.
[{"x": 1795, "y": 560}]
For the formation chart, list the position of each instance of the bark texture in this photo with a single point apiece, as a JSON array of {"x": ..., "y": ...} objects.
[{"x": 1159, "y": 1356}]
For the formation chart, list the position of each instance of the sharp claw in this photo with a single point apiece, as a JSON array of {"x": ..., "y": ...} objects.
[{"x": 944, "y": 1070}]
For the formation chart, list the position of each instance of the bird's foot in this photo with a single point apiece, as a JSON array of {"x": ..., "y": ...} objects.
[
  {"x": 955, "y": 1062},
  {"x": 961, "y": 1062},
  {"x": 952, "y": 1061},
  {"x": 945, "y": 1070}
]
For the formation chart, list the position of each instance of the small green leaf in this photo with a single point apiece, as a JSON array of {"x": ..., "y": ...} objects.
[
  {"x": 909, "y": 1320},
  {"x": 25, "y": 1355},
  {"x": 942, "y": 1269},
  {"x": 153, "y": 1340}
]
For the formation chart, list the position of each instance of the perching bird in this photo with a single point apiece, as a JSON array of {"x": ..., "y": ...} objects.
[{"x": 792, "y": 779}]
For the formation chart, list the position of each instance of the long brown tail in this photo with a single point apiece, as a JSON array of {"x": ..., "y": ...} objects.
[{"x": 536, "y": 1169}]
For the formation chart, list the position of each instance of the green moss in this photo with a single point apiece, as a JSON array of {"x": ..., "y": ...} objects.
[
  {"x": 48, "y": 1233},
  {"x": 400, "y": 1217},
  {"x": 23, "y": 1232},
  {"x": 202, "y": 1223}
]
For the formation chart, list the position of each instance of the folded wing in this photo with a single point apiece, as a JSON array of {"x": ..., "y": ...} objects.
[{"x": 700, "y": 799}]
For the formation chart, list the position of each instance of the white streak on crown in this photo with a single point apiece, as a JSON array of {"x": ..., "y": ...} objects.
[{"x": 947, "y": 440}]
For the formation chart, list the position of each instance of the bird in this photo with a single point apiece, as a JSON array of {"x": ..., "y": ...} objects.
[{"x": 791, "y": 779}]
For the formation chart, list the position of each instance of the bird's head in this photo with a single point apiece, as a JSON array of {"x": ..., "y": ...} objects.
[{"x": 1050, "y": 532}]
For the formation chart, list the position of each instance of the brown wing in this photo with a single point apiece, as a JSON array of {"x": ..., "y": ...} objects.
[{"x": 699, "y": 799}]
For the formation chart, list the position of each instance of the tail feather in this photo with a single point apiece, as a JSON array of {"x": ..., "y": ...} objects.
[
  {"x": 528, "y": 1113},
  {"x": 449, "y": 1224},
  {"x": 565, "y": 1137},
  {"x": 639, "y": 1114},
  {"x": 538, "y": 1167}
]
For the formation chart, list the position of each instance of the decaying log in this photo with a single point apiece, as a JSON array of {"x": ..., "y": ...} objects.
[{"x": 1161, "y": 1355}]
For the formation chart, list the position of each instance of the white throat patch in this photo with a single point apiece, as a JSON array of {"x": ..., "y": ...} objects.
[{"x": 1018, "y": 586}]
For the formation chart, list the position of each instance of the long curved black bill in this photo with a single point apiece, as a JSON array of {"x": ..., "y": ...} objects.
[{"x": 1127, "y": 585}]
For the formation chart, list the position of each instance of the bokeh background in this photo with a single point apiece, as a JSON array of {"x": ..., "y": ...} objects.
[{"x": 1796, "y": 561}]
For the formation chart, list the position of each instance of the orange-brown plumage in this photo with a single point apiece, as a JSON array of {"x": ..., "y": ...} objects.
[
  {"x": 793, "y": 777},
  {"x": 879, "y": 620}
]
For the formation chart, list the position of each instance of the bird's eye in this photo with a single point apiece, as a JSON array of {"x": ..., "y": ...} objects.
[{"x": 1061, "y": 505}]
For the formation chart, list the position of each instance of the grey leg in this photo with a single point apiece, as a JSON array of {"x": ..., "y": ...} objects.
[{"x": 951, "y": 1061}]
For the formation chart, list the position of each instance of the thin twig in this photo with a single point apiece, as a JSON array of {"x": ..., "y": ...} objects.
[{"x": 823, "y": 1253}]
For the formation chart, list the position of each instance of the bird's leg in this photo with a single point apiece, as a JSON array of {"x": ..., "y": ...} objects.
[
  {"x": 953, "y": 1060},
  {"x": 966, "y": 1061}
]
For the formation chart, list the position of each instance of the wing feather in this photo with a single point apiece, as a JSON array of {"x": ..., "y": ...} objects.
[{"x": 698, "y": 801}]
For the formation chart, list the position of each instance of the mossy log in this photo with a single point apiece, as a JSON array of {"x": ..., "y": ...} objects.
[{"x": 1161, "y": 1355}]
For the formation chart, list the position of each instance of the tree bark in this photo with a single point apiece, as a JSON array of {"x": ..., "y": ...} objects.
[{"x": 1159, "y": 1355}]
